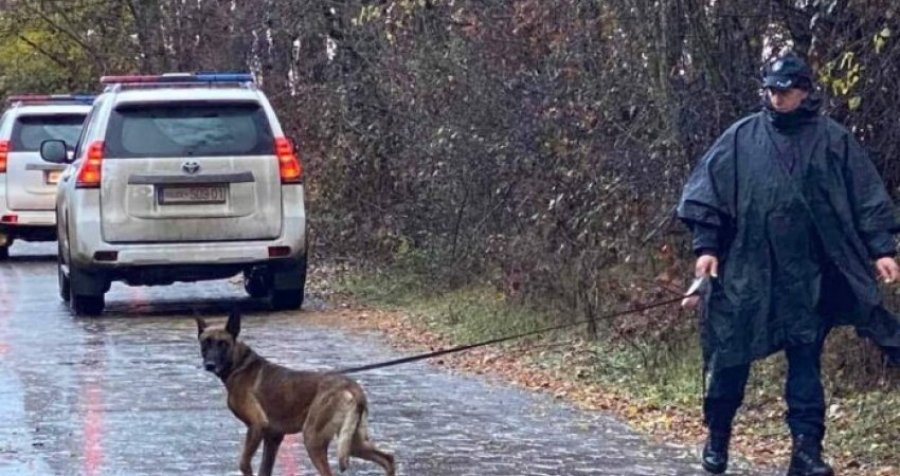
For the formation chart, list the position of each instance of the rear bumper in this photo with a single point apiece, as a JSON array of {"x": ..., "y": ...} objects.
[
  {"x": 29, "y": 226},
  {"x": 31, "y": 218},
  {"x": 184, "y": 262},
  {"x": 283, "y": 270},
  {"x": 208, "y": 253}
]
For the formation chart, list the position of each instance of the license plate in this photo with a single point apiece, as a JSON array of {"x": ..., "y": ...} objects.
[
  {"x": 53, "y": 177},
  {"x": 193, "y": 195}
]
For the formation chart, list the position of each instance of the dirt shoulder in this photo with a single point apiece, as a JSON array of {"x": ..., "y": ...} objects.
[
  {"x": 660, "y": 398},
  {"x": 512, "y": 365},
  {"x": 517, "y": 365}
]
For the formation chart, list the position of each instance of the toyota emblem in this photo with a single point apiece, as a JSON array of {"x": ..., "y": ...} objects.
[{"x": 190, "y": 167}]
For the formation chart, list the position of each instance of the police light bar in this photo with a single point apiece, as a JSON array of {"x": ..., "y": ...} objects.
[
  {"x": 185, "y": 78},
  {"x": 50, "y": 98}
]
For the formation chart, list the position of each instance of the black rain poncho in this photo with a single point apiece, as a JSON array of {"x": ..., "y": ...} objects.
[{"x": 796, "y": 212}]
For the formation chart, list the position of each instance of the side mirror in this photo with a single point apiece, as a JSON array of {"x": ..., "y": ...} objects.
[{"x": 54, "y": 151}]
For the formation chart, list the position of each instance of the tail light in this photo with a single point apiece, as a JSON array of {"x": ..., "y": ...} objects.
[
  {"x": 288, "y": 164},
  {"x": 91, "y": 170},
  {"x": 4, "y": 155}
]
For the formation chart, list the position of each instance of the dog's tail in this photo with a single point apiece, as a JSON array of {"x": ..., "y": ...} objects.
[{"x": 349, "y": 429}]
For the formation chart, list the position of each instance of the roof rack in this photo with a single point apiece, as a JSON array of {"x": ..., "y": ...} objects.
[
  {"x": 23, "y": 99},
  {"x": 201, "y": 79}
]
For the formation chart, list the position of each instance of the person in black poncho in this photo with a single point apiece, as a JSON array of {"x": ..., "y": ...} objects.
[{"x": 787, "y": 213}]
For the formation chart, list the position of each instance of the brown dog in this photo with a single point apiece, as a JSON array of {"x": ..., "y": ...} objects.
[{"x": 274, "y": 401}]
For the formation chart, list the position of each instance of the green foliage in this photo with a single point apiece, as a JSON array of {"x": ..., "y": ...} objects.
[{"x": 60, "y": 48}]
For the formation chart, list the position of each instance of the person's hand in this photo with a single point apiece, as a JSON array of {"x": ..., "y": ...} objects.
[
  {"x": 888, "y": 269},
  {"x": 707, "y": 266}
]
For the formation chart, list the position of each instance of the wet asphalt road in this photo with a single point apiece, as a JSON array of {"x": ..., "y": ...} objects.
[{"x": 124, "y": 394}]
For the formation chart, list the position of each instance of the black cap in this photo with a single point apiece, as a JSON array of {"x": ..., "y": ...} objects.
[{"x": 786, "y": 72}]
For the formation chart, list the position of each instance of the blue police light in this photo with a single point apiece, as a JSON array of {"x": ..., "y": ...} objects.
[
  {"x": 225, "y": 77},
  {"x": 84, "y": 98}
]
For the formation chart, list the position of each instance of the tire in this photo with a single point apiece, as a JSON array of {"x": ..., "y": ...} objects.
[
  {"x": 287, "y": 300},
  {"x": 90, "y": 304},
  {"x": 87, "y": 305},
  {"x": 291, "y": 298},
  {"x": 4, "y": 253},
  {"x": 65, "y": 287},
  {"x": 257, "y": 285}
]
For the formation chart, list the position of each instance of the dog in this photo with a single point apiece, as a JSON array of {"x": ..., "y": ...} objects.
[{"x": 274, "y": 401}]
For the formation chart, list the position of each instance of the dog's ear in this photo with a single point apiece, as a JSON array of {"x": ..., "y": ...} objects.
[
  {"x": 201, "y": 326},
  {"x": 233, "y": 326}
]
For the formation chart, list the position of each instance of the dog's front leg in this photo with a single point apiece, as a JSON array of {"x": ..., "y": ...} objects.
[
  {"x": 270, "y": 450},
  {"x": 251, "y": 444}
]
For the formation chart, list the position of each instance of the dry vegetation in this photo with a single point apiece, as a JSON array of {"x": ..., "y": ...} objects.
[{"x": 530, "y": 149}]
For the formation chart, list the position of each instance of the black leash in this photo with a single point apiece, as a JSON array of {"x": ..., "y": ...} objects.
[{"x": 694, "y": 289}]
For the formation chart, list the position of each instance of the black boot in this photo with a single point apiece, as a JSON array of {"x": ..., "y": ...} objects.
[
  {"x": 806, "y": 458},
  {"x": 715, "y": 452}
]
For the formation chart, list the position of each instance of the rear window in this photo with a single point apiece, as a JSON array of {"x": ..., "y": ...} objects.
[
  {"x": 188, "y": 129},
  {"x": 30, "y": 131}
]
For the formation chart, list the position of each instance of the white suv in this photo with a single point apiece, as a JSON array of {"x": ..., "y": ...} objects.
[
  {"x": 180, "y": 177},
  {"x": 27, "y": 184}
]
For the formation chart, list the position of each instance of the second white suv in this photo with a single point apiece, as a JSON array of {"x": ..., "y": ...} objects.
[
  {"x": 180, "y": 177},
  {"x": 28, "y": 184}
]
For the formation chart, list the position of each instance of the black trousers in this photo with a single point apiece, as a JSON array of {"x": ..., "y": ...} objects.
[{"x": 804, "y": 394}]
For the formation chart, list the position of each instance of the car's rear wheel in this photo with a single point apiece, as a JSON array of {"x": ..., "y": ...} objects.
[
  {"x": 87, "y": 299},
  {"x": 65, "y": 287},
  {"x": 284, "y": 300},
  {"x": 4, "y": 253},
  {"x": 290, "y": 297},
  {"x": 257, "y": 284},
  {"x": 87, "y": 305}
]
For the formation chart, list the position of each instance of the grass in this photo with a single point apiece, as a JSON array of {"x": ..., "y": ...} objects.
[{"x": 464, "y": 315}]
